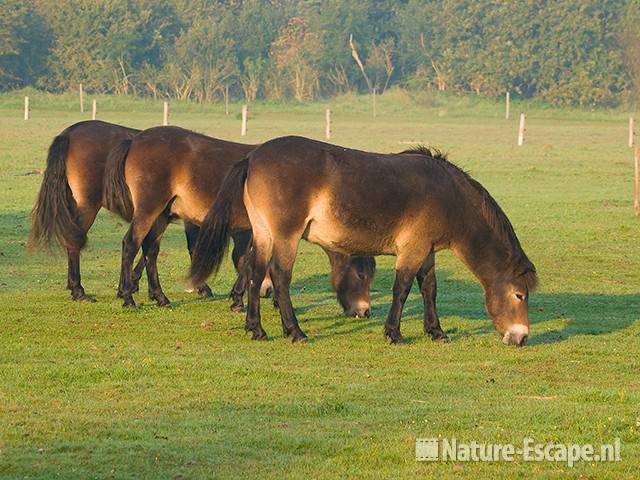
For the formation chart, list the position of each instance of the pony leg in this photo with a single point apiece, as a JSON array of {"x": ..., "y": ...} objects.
[
  {"x": 237, "y": 292},
  {"x": 239, "y": 255},
  {"x": 406, "y": 270},
  {"x": 137, "y": 273},
  {"x": 281, "y": 267},
  {"x": 87, "y": 216},
  {"x": 150, "y": 250},
  {"x": 268, "y": 289},
  {"x": 73, "y": 278},
  {"x": 130, "y": 248},
  {"x": 131, "y": 244},
  {"x": 259, "y": 257},
  {"x": 427, "y": 282},
  {"x": 135, "y": 277},
  {"x": 191, "y": 231}
]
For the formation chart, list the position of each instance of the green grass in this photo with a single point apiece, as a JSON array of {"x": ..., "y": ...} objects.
[{"x": 92, "y": 391}]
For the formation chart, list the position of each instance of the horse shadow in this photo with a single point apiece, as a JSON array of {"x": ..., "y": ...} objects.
[{"x": 554, "y": 316}]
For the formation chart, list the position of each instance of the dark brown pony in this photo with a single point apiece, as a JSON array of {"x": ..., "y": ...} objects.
[
  {"x": 360, "y": 203},
  {"x": 72, "y": 194},
  {"x": 170, "y": 172}
]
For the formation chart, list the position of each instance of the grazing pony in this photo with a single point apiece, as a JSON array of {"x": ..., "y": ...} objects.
[
  {"x": 410, "y": 205},
  {"x": 169, "y": 172},
  {"x": 71, "y": 195}
]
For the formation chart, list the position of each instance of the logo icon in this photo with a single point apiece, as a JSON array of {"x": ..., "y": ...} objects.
[{"x": 426, "y": 449}]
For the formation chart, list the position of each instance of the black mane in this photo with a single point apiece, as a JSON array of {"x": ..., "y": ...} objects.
[{"x": 431, "y": 152}]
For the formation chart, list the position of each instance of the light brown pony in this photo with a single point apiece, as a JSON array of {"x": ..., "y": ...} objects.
[
  {"x": 71, "y": 196},
  {"x": 409, "y": 205},
  {"x": 170, "y": 172}
]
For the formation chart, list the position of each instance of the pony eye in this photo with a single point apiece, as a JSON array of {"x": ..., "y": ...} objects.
[{"x": 520, "y": 296}]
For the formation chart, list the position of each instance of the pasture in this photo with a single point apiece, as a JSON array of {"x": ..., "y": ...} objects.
[{"x": 92, "y": 391}]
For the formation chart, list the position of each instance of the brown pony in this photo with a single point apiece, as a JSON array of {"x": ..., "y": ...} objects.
[
  {"x": 170, "y": 172},
  {"x": 409, "y": 205},
  {"x": 71, "y": 195}
]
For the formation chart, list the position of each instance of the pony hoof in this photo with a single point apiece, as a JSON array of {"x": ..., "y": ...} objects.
[
  {"x": 237, "y": 308},
  {"x": 440, "y": 338},
  {"x": 205, "y": 291},
  {"x": 129, "y": 304},
  {"x": 395, "y": 338},
  {"x": 299, "y": 338},
  {"x": 83, "y": 297},
  {"x": 259, "y": 335},
  {"x": 160, "y": 299}
]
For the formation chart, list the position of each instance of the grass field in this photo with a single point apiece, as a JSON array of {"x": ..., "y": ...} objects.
[{"x": 92, "y": 391}]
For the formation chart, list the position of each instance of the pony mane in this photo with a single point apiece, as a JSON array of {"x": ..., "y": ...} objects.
[
  {"x": 492, "y": 213},
  {"x": 430, "y": 152}
]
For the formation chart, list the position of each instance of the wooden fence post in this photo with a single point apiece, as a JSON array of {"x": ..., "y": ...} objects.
[
  {"x": 521, "y": 130},
  {"x": 243, "y": 127},
  {"x": 631, "y": 131},
  {"x": 26, "y": 108},
  {"x": 327, "y": 131},
  {"x": 636, "y": 174},
  {"x": 506, "y": 112},
  {"x": 226, "y": 99},
  {"x": 81, "y": 99},
  {"x": 94, "y": 109},
  {"x": 165, "y": 114}
]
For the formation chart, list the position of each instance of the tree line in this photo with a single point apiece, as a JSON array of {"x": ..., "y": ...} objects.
[{"x": 583, "y": 52}]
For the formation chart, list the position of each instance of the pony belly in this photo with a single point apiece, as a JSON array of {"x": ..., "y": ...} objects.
[
  {"x": 333, "y": 235},
  {"x": 189, "y": 209},
  {"x": 325, "y": 234}
]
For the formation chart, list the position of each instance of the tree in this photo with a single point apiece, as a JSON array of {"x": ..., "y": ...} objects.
[
  {"x": 561, "y": 51},
  {"x": 629, "y": 39},
  {"x": 204, "y": 61},
  {"x": 24, "y": 44},
  {"x": 297, "y": 51},
  {"x": 107, "y": 42}
]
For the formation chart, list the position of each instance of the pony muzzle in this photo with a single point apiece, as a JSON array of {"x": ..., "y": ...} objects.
[
  {"x": 516, "y": 335},
  {"x": 359, "y": 310}
]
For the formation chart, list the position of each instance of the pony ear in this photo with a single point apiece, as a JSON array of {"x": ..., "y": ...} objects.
[
  {"x": 530, "y": 277},
  {"x": 530, "y": 267},
  {"x": 527, "y": 271}
]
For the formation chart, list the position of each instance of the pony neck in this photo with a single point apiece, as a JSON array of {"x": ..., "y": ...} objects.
[{"x": 487, "y": 257}]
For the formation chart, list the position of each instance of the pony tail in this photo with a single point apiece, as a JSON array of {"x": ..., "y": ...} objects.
[
  {"x": 55, "y": 218},
  {"x": 117, "y": 196},
  {"x": 215, "y": 231}
]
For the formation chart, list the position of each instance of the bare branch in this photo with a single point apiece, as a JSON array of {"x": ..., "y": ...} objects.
[{"x": 356, "y": 57}]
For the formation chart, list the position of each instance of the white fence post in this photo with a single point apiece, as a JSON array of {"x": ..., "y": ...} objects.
[
  {"x": 521, "y": 130},
  {"x": 243, "y": 127}
]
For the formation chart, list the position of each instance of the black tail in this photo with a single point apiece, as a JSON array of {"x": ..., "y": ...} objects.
[
  {"x": 116, "y": 196},
  {"x": 215, "y": 231},
  {"x": 55, "y": 218}
]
